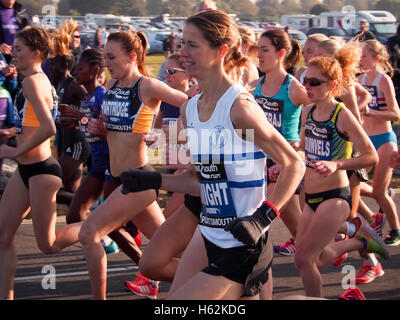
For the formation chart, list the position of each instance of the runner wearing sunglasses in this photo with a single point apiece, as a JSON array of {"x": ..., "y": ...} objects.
[
  {"x": 177, "y": 79},
  {"x": 172, "y": 71},
  {"x": 328, "y": 128},
  {"x": 356, "y": 98}
]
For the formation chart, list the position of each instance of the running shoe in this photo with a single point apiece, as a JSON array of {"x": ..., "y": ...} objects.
[
  {"x": 372, "y": 242},
  {"x": 379, "y": 222},
  {"x": 96, "y": 204},
  {"x": 393, "y": 238},
  {"x": 143, "y": 286},
  {"x": 368, "y": 273},
  {"x": 339, "y": 260},
  {"x": 286, "y": 249},
  {"x": 134, "y": 232},
  {"x": 358, "y": 222},
  {"x": 352, "y": 294},
  {"x": 110, "y": 246}
]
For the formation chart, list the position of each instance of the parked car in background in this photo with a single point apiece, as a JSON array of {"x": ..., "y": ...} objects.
[
  {"x": 298, "y": 35},
  {"x": 155, "y": 39},
  {"x": 123, "y": 26},
  {"x": 381, "y": 23},
  {"x": 300, "y": 22},
  {"x": 87, "y": 38},
  {"x": 330, "y": 32}
]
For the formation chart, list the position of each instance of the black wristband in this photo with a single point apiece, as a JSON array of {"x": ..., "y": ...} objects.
[
  {"x": 135, "y": 180},
  {"x": 270, "y": 212}
]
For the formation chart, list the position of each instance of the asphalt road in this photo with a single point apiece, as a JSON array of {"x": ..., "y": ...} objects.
[{"x": 32, "y": 281}]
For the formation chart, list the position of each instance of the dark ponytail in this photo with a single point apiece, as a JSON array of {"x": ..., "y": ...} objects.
[{"x": 281, "y": 40}]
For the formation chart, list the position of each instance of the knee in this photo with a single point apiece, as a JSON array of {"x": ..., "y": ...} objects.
[
  {"x": 88, "y": 235},
  {"x": 379, "y": 195},
  {"x": 302, "y": 259},
  {"x": 45, "y": 247}
]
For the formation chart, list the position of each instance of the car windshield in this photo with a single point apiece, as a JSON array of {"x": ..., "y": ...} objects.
[
  {"x": 337, "y": 32},
  {"x": 385, "y": 28},
  {"x": 298, "y": 36}
]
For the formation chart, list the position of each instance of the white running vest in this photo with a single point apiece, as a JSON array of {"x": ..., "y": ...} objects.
[
  {"x": 230, "y": 169},
  {"x": 378, "y": 101}
]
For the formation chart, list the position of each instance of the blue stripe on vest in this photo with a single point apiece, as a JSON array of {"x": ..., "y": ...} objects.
[
  {"x": 230, "y": 157},
  {"x": 247, "y": 184}
]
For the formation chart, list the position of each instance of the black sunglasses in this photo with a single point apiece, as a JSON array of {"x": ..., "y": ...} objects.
[
  {"x": 172, "y": 71},
  {"x": 313, "y": 82}
]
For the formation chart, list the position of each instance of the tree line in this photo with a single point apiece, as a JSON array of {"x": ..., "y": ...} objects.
[{"x": 244, "y": 9}]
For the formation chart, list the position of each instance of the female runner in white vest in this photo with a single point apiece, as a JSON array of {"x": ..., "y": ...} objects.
[{"x": 235, "y": 217}]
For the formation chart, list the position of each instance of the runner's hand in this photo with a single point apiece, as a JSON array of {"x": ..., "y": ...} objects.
[
  {"x": 5, "y": 49},
  {"x": 250, "y": 229},
  {"x": 134, "y": 180},
  {"x": 324, "y": 168}
]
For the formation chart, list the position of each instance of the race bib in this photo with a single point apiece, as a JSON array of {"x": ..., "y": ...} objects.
[
  {"x": 273, "y": 109},
  {"x": 374, "y": 93},
  {"x": 317, "y": 141},
  {"x": 216, "y": 197}
]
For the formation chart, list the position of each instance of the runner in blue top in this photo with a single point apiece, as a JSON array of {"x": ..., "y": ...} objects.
[
  {"x": 90, "y": 65},
  {"x": 281, "y": 96}
]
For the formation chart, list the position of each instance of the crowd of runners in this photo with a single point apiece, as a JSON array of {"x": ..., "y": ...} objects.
[{"x": 247, "y": 138}]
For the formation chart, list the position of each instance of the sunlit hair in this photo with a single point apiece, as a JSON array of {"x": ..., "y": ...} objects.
[
  {"x": 281, "y": 40},
  {"x": 64, "y": 36},
  {"x": 133, "y": 42},
  {"x": 248, "y": 36},
  {"x": 331, "y": 69},
  {"x": 379, "y": 50},
  {"x": 69, "y": 26},
  {"x": 330, "y": 46},
  {"x": 317, "y": 37},
  {"x": 219, "y": 29},
  {"x": 253, "y": 53},
  {"x": 339, "y": 40},
  {"x": 348, "y": 56}
]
